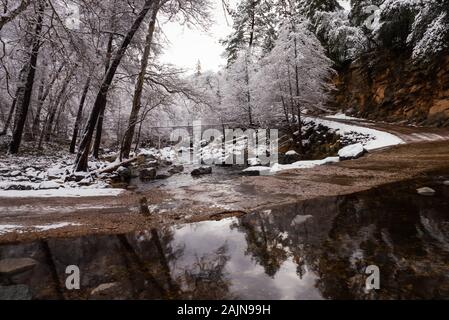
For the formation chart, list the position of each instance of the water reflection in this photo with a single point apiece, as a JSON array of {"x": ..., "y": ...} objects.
[{"x": 311, "y": 250}]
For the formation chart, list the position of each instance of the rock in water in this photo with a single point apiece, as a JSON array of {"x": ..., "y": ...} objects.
[
  {"x": 353, "y": 151},
  {"x": 147, "y": 174},
  {"x": 446, "y": 183},
  {"x": 425, "y": 191},
  {"x": 105, "y": 290},
  {"x": 144, "y": 207},
  {"x": 176, "y": 169},
  {"x": 13, "y": 266},
  {"x": 202, "y": 170}
]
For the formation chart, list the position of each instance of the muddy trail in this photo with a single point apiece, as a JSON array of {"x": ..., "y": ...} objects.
[{"x": 226, "y": 193}]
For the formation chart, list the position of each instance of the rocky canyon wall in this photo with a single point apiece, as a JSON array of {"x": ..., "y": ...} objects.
[{"x": 390, "y": 87}]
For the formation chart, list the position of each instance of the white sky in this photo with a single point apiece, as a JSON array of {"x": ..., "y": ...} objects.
[{"x": 187, "y": 46}]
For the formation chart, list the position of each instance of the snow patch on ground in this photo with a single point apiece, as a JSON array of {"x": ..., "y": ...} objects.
[
  {"x": 9, "y": 228},
  {"x": 342, "y": 116},
  {"x": 296, "y": 165},
  {"x": 63, "y": 193}
]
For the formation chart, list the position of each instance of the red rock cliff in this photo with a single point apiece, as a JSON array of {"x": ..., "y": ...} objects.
[{"x": 390, "y": 87}]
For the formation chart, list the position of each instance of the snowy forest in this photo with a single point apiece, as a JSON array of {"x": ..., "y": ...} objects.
[
  {"x": 358, "y": 92},
  {"x": 87, "y": 75}
]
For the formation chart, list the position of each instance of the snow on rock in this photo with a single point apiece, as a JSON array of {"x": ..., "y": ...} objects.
[
  {"x": 300, "y": 219},
  {"x": 291, "y": 153},
  {"x": 353, "y": 151},
  {"x": 254, "y": 161},
  {"x": 425, "y": 191},
  {"x": 380, "y": 139},
  {"x": 257, "y": 170},
  {"x": 49, "y": 185}
]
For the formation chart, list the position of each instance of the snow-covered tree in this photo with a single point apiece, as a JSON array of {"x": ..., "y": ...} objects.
[
  {"x": 344, "y": 42},
  {"x": 294, "y": 75},
  {"x": 422, "y": 25}
]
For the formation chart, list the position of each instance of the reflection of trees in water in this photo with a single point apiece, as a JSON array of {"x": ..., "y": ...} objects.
[
  {"x": 206, "y": 277},
  {"x": 157, "y": 259},
  {"x": 264, "y": 241},
  {"x": 390, "y": 232},
  {"x": 406, "y": 236}
]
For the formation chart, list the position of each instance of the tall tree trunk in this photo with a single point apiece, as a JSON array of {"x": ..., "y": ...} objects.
[
  {"x": 137, "y": 100},
  {"x": 54, "y": 109},
  {"x": 8, "y": 120},
  {"x": 100, "y": 101},
  {"x": 79, "y": 116},
  {"x": 99, "y": 129},
  {"x": 98, "y": 134},
  {"x": 40, "y": 104},
  {"x": 23, "y": 105},
  {"x": 42, "y": 98},
  {"x": 298, "y": 107},
  {"x": 19, "y": 96}
]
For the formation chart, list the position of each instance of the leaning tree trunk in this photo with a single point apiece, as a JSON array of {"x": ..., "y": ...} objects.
[
  {"x": 100, "y": 101},
  {"x": 137, "y": 100},
  {"x": 23, "y": 105},
  {"x": 79, "y": 116},
  {"x": 99, "y": 129}
]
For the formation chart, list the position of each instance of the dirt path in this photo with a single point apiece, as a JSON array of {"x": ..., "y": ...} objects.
[
  {"x": 410, "y": 134},
  {"x": 237, "y": 196}
]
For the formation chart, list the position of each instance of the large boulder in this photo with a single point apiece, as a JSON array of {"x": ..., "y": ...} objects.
[
  {"x": 163, "y": 175},
  {"x": 124, "y": 174},
  {"x": 352, "y": 151},
  {"x": 201, "y": 171},
  {"x": 9, "y": 267},
  {"x": 147, "y": 174}
]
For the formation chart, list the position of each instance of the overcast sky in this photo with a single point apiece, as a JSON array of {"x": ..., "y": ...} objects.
[{"x": 187, "y": 46}]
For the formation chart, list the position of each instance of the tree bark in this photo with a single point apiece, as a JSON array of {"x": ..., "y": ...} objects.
[
  {"x": 137, "y": 100},
  {"x": 41, "y": 100},
  {"x": 100, "y": 101},
  {"x": 79, "y": 116},
  {"x": 99, "y": 129},
  {"x": 23, "y": 106},
  {"x": 53, "y": 110}
]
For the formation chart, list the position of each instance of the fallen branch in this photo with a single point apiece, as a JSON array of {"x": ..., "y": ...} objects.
[{"x": 115, "y": 166}]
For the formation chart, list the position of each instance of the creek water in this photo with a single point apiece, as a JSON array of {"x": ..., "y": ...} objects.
[{"x": 317, "y": 249}]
